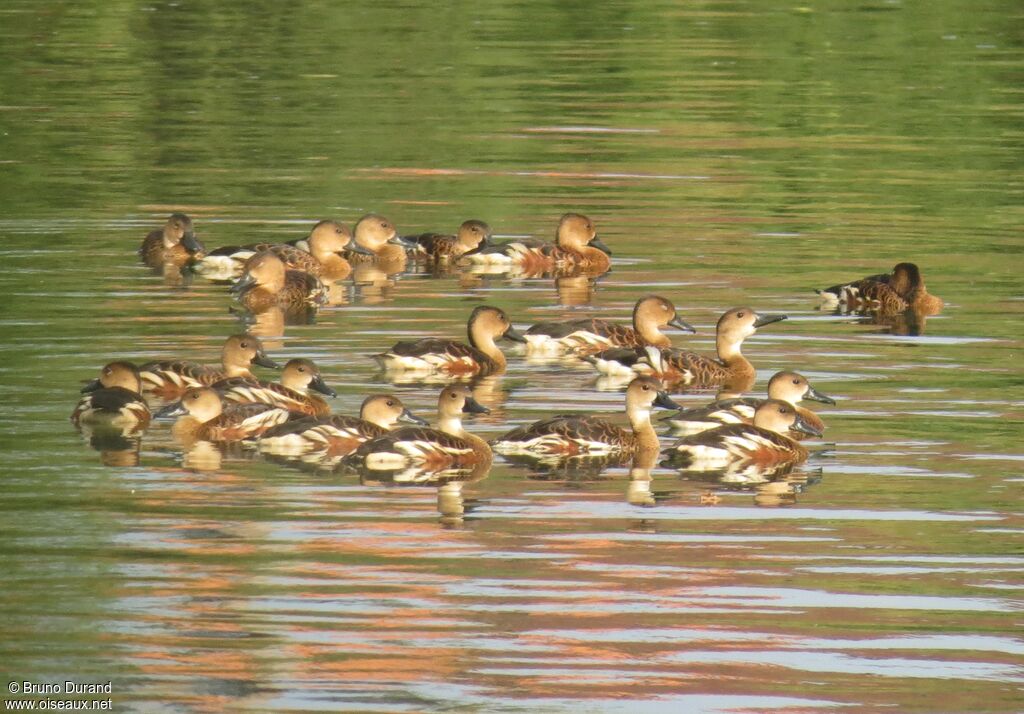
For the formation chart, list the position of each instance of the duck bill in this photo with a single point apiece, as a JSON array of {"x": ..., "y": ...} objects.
[
  {"x": 263, "y": 361},
  {"x": 404, "y": 242},
  {"x": 513, "y": 334},
  {"x": 170, "y": 410},
  {"x": 354, "y": 247},
  {"x": 409, "y": 418},
  {"x": 763, "y": 320},
  {"x": 472, "y": 406},
  {"x": 599, "y": 244},
  {"x": 677, "y": 323},
  {"x": 814, "y": 395},
  {"x": 666, "y": 402},
  {"x": 317, "y": 384},
  {"x": 91, "y": 386},
  {"x": 192, "y": 244},
  {"x": 803, "y": 427},
  {"x": 242, "y": 284}
]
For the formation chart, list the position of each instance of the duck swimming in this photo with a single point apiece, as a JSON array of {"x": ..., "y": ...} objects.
[
  {"x": 587, "y": 335},
  {"x": 298, "y": 377},
  {"x": 170, "y": 378},
  {"x": 730, "y": 368},
  {"x": 570, "y": 435},
  {"x": 204, "y": 416},
  {"x": 440, "y": 248},
  {"x": 379, "y": 240},
  {"x": 268, "y": 283},
  {"x": 576, "y": 246},
  {"x": 764, "y": 443},
  {"x": 787, "y": 386},
  {"x": 115, "y": 397},
  {"x": 448, "y": 446},
  {"x": 174, "y": 243},
  {"x": 457, "y": 359},
  {"x": 340, "y": 434},
  {"x": 320, "y": 254},
  {"x": 891, "y": 292}
]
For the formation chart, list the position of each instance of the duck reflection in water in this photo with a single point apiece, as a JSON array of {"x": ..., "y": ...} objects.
[
  {"x": 118, "y": 445},
  {"x": 905, "y": 323},
  {"x": 772, "y": 486}
]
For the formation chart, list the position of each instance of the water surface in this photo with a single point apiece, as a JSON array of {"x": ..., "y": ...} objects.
[{"x": 730, "y": 154}]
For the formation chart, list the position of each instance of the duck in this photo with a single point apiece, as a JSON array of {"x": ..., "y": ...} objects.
[
  {"x": 320, "y": 254},
  {"x": 377, "y": 236},
  {"x": 442, "y": 248},
  {"x": 576, "y": 246},
  {"x": 480, "y": 357},
  {"x": 590, "y": 334},
  {"x": 168, "y": 379},
  {"x": 115, "y": 398},
  {"x": 892, "y": 292},
  {"x": 205, "y": 416},
  {"x": 576, "y": 434},
  {"x": 786, "y": 386},
  {"x": 268, "y": 283},
  {"x": 339, "y": 434},
  {"x": 447, "y": 446},
  {"x": 176, "y": 242},
  {"x": 765, "y": 442},
  {"x": 729, "y": 368},
  {"x": 298, "y": 377}
]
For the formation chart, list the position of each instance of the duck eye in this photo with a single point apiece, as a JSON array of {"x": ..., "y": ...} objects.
[
  {"x": 244, "y": 345},
  {"x": 390, "y": 403},
  {"x": 302, "y": 369},
  {"x": 740, "y": 314},
  {"x": 796, "y": 381}
]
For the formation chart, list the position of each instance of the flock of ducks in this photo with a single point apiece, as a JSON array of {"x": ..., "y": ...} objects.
[{"x": 291, "y": 417}]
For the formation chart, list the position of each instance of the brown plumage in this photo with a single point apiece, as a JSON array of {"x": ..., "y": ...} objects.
[
  {"x": 320, "y": 254},
  {"x": 786, "y": 386},
  {"x": 340, "y": 434},
  {"x": 576, "y": 246},
  {"x": 591, "y": 334},
  {"x": 574, "y": 434},
  {"x": 114, "y": 397},
  {"x": 730, "y": 368},
  {"x": 892, "y": 292},
  {"x": 480, "y": 357},
  {"x": 298, "y": 377},
  {"x": 448, "y": 446},
  {"x": 379, "y": 241},
  {"x": 762, "y": 443},
  {"x": 174, "y": 243},
  {"x": 267, "y": 283},
  {"x": 441, "y": 248},
  {"x": 204, "y": 416},
  {"x": 170, "y": 378}
]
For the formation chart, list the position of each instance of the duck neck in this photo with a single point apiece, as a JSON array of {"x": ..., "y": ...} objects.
[
  {"x": 486, "y": 344},
  {"x": 651, "y": 334},
  {"x": 731, "y": 356},
  {"x": 643, "y": 430},
  {"x": 234, "y": 370},
  {"x": 451, "y": 425}
]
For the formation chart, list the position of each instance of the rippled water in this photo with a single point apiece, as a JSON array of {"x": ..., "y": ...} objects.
[{"x": 730, "y": 154}]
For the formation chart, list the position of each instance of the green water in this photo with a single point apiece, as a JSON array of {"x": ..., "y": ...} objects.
[{"x": 730, "y": 153}]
